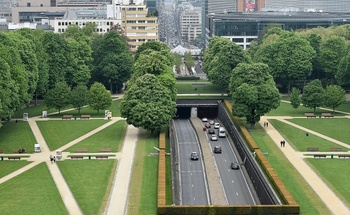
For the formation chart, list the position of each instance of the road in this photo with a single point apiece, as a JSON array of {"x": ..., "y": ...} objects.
[
  {"x": 194, "y": 189},
  {"x": 233, "y": 181}
]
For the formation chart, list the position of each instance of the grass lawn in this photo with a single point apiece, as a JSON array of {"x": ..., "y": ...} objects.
[
  {"x": 330, "y": 170},
  {"x": 338, "y": 129},
  {"x": 344, "y": 107},
  {"x": 7, "y": 167},
  {"x": 60, "y": 132},
  {"x": 33, "y": 111},
  {"x": 298, "y": 140},
  {"x": 190, "y": 87},
  {"x": 286, "y": 109},
  {"x": 90, "y": 182},
  {"x": 31, "y": 193},
  {"x": 15, "y": 136},
  {"x": 110, "y": 137},
  {"x": 203, "y": 97},
  {"x": 144, "y": 181},
  {"x": 309, "y": 202}
]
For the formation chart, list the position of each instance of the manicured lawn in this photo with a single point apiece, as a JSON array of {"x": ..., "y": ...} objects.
[
  {"x": 297, "y": 138},
  {"x": 90, "y": 182},
  {"x": 7, "y": 167},
  {"x": 33, "y": 192},
  {"x": 203, "y": 97},
  {"x": 286, "y": 109},
  {"x": 144, "y": 182},
  {"x": 190, "y": 87},
  {"x": 110, "y": 137},
  {"x": 309, "y": 202},
  {"x": 344, "y": 107},
  {"x": 338, "y": 129},
  {"x": 60, "y": 132},
  {"x": 335, "y": 173},
  {"x": 15, "y": 136},
  {"x": 33, "y": 111}
]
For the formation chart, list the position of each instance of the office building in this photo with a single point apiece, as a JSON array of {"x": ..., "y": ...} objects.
[
  {"x": 190, "y": 23},
  {"x": 337, "y": 6}
]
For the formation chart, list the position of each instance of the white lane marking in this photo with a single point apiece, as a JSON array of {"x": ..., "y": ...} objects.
[
  {"x": 192, "y": 185},
  {"x": 194, "y": 198},
  {"x": 225, "y": 161},
  {"x": 236, "y": 193},
  {"x": 228, "y": 170},
  {"x": 233, "y": 181}
]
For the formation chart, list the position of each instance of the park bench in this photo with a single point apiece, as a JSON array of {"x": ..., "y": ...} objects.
[
  {"x": 18, "y": 151},
  {"x": 77, "y": 157},
  {"x": 101, "y": 156},
  {"x": 325, "y": 115},
  {"x": 67, "y": 116},
  {"x": 1, "y": 151},
  {"x": 85, "y": 116},
  {"x": 310, "y": 115},
  {"x": 81, "y": 150},
  {"x": 310, "y": 149},
  {"x": 336, "y": 149},
  {"x": 320, "y": 156},
  {"x": 14, "y": 158},
  {"x": 104, "y": 150},
  {"x": 344, "y": 156}
]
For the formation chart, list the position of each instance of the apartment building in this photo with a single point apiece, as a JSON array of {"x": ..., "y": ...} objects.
[{"x": 190, "y": 23}]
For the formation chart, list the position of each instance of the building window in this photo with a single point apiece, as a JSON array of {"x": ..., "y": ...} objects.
[
  {"x": 41, "y": 5},
  {"x": 28, "y": 4}
]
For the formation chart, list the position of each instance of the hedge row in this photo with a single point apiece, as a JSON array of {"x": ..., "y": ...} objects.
[{"x": 162, "y": 171}]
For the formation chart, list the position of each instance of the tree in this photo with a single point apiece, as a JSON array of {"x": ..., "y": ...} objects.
[
  {"x": 189, "y": 59},
  {"x": 177, "y": 60},
  {"x": 290, "y": 58},
  {"x": 313, "y": 94},
  {"x": 148, "y": 104},
  {"x": 295, "y": 99},
  {"x": 79, "y": 97},
  {"x": 334, "y": 96},
  {"x": 343, "y": 72},
  {"x": 100, "y": 98},
  {"x": 58, "y": 97},
  {"x": 154, "y": 46},
  {"x": 253, "y": 91}
]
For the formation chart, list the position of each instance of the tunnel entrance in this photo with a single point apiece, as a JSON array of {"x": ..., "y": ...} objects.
[{"x": 197, "y": 108}]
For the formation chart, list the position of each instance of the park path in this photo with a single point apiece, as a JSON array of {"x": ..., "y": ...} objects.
[
  {"x": 334, "y": 204},
  {"x": 118, "y": 200},
  {"x": 119, "y": 194}
]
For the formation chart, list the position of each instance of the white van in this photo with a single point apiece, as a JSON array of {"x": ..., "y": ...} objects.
[{"x": 222, "y": 132}]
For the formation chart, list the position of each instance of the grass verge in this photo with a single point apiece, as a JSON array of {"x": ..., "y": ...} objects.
[
  {"x": 329, "y": 170},
  {"x": 308, "y": 200},
  {"x": 90, "y": 182},
  {"x": 190, "y": 87},
  {"x": 7, "y": 167},
  {"x": 32, "y": 192},
  {"x": 297, "y": 138},
  {"x": 144, "y": 181},
  {"x": 58, "y": 133},
  {"x": 338, "y": 129},
  {"x": 110, "y": 137},
  {"x": 15, "y": 136}
]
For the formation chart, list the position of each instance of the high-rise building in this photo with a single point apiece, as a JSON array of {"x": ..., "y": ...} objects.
[
  {"x": 312, "y": 5},
  {"x": 190, "y": 23}
]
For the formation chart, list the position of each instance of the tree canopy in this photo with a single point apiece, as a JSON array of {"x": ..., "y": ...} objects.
[{"x": 313, "y": 96}]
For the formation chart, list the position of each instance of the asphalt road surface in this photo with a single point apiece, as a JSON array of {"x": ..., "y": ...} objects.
[
  {"x": 194, "y": 189},
  {"x": 233, "y": 181}
]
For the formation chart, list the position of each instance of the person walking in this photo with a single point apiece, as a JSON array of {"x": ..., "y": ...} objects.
[
  {"x": 281, "y": 143},
  {"x": 54, "y": 159},
  {"x": 51, "y": 159},
  {"x": 307, "y": 135}
]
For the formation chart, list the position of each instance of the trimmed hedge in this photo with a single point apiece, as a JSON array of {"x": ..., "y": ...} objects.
[{"x": 187, "y": 78}]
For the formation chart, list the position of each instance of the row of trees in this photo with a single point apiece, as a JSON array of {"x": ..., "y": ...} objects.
[
  {"x": 32, "y": 62},
  {"x": 150, "y": 98}
]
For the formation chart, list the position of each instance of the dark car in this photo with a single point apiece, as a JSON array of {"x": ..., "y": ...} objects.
[
  {"x": 234, "y": 165},
  {"x": 194, "y": 156},
  {"x": 217, "y": 149},
  {"x": 211, "y": 131}
]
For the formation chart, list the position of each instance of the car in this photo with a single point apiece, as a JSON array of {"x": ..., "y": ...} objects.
[
  {"x": 207, "y": 125},
  {"x": 194, "y": 156},
  {"x": 211, "y": 131},
  {"x": 217, "y": 150},
  {"x": 214, "y": 137},
  {"x": 204, "y": 119},
  {"x": 217, "y": 125},
  {"x": 234, "y": 165},
  {"x": 211, "y": 122}
]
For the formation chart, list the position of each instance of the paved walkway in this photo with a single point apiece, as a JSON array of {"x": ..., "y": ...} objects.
[
  {"x": 119, "y": 193},
  {"x": 334, "y": 204}
]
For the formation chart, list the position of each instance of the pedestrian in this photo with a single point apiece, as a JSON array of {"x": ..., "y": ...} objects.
[
  {"x": 284, "y": 143},
  {"x": 54, "y": 159},
  {"x": 267, "y": 124},
  {"x": 264, "y": 124},
  {"x": 281, "y": 143},
  {"x": 307, "y": 135},
  {"x": 51, "y": 158}
]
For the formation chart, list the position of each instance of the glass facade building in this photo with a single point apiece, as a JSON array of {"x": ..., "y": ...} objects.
[
  {"x": 324, "y": 5},
  {"x": 242, "y": 28}
]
